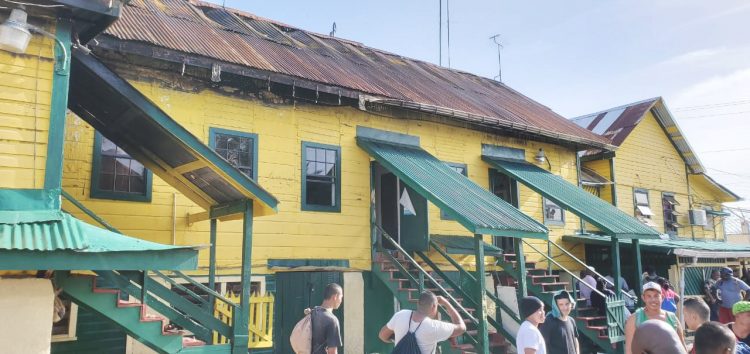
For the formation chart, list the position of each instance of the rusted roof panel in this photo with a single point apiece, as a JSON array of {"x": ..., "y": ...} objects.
[{"x": 240, "y": 38}]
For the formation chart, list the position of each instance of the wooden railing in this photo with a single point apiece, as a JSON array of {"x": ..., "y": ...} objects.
[{"x": 261, "y": 320}]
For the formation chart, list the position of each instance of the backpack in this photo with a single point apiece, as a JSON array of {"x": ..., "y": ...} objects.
[
  {"x": 408, "y": 343},
  {"x": 301, "y": 338}
]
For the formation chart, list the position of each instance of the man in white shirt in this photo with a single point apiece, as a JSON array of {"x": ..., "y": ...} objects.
[
  {"x": 429, "y": 331},
  {"x": 529, "y": 339}
]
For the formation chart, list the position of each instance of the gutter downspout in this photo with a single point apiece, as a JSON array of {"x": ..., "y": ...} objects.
[
  {"x": 690, "y": 200},
  {"x": 580, "y": 184}
]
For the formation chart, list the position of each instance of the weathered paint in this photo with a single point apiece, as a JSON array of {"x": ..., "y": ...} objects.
[
  {"x": 281, "y": 128},
  {"x": 25, "y": 98}
]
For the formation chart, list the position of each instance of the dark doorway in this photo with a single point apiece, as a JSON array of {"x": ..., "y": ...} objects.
[
  {"x": 407, "y": 226},
  {"x": 507, "y": 189},
  {"x": 389, "y": 206}
]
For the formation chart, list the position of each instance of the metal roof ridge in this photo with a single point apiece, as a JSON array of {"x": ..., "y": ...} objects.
[{"x": 655, "y": 99}]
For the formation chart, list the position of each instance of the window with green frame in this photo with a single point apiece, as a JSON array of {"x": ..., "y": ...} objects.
[
  {"x": 553, "y": 213},
  {"x": 116, "y": 175},
  {"x": 459, "y": 168},
  {"x": 321, "y": 177},
  {"x": 239, "y": 148}
]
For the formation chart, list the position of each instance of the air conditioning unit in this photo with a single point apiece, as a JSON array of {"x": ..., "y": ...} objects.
[{"x": 698, "y": 217}]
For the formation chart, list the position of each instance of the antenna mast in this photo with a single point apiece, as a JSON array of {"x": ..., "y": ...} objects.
[{"x": 496, "y": 40}]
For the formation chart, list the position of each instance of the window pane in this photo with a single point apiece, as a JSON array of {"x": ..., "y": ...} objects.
[
  {"x": 641, "y": 198},
  {"x": 220, "y": 141},
  {"x": 108, "y": 147},
  {"x": 330, "y": 170},
  {"x": 319, "y": 193},
  {"x": 309, "y": 154},
  {"x": 552, "y": 212},
  {"x": 320, "y": 155},
  {"x": 330, "y": 156},
  {"x": 320, "y": 168},
  {"x": 108, "y": 165},
  {"x": 106, "y": 181},
  {"x": 122, "y": 183},
  {"x": 247, "y": 171},
  {"x": 136, "y": 169},
  {"x": 232, "y": 143},
  {"x": 122, "y": 167},
  {"x": 137, "y": 184},
  {"x": 310, "y": 169}
]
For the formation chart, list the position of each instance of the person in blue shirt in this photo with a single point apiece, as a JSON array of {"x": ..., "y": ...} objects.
[{"x": 730, "y": 290}]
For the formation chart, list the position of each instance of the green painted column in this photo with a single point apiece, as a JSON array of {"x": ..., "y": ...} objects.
[
  {"x": 481, "y": 311},
  {"x": 616, "y": 272},
  {"x": 521, "y": 269},
  {"x": 638, "y": 266},
  {"x": 212, "y": 262},
  {"x": 241, "y": 320},
  {"x": 58, "y": 107}
]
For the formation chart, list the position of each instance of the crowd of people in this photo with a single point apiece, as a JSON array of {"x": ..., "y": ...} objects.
[{"x": 720, "y": 320}]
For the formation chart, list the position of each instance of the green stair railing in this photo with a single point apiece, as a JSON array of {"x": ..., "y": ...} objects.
[
  {"x": 423, "y": 276},
  {"x": 194, "y": 312}
]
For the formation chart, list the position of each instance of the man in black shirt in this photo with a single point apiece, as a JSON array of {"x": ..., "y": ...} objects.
[
  {"x": 559, "y": 329},
  {"x": 326, "y": 336}
]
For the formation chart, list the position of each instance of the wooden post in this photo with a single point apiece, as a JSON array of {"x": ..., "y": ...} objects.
[
  {"x": 616, "y": 273},
  {"x": 638, "y": 267},
  {"x": 481, "y": 311},
  {"x": 212, "y": 263},
  {"x": 521, "y": 268},
  {"x": 241, "y": 317}
]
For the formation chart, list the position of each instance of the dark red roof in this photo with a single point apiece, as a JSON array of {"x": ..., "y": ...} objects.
[
  {"x": 616, "y": 123},
  {"x": 239, "y": 38}
]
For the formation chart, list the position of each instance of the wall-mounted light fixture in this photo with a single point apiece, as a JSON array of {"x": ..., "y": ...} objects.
[
  {"x": 15, "y": 34},
  {"x": 541, "y": 158}
]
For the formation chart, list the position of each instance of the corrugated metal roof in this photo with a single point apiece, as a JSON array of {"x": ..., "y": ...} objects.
[
  {"x": 618, "y": 122},
  {"x": 687, "y": 248},
  {"x": 455, "y": 244},
  {"x": 476, "y": 208},
  {"x": 603, "y": 215},
  {"x": 69, "y": 233},
  {"x": 240, "y": 38}
]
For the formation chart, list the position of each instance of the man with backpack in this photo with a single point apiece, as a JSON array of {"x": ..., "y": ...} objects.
[
  {"x": 326, "y": 334},
  {"x": 419, "y": 332}
]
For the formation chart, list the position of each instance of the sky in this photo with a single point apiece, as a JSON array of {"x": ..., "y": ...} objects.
[{"x": 576, "y": 56}]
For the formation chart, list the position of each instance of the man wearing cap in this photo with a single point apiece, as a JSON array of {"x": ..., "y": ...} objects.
[
  {"x": 529, "y": 340},
  {"x": 652, "y": 299},
  {"x": 730, "y": 289},
  {"x": 559, "y": 329}
]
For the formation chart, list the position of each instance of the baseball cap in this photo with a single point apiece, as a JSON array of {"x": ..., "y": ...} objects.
[
  {"x": 651, "y": 286},
  {"x": 726, "y": 271}
]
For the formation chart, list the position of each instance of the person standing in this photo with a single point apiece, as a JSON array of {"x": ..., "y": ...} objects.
[
  {"x": 730, "y": 289},
  {"x": 559, "y": 329},
  {"x": 423, "y": 325},
  {"x": 696, "y": 314},
  {"x": 652, "y": 299},
  {"x": 326, "y": 333},
  {"x": 711, "y": 295},
  {"x": 529, "y": 340},
  {"x": 587, "y": 284}
]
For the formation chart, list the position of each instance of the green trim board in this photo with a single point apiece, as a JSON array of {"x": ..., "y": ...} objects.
[
  {"x": 464, "y": 245},
  {"x": 96, "y": 166},
  {"x": 212, "y": 131},
  {"x": 465, "y": 172},
  {"x": 58, "y": 108},
  {"x": 679, "y": 247},
  {"x": 336, "y": 207},
  {"x": 596, "y": 211},
  {"x": 30, "y": 199},
  {"x": 474, "y": 207},
  {"x": 299, "y": 263},
  {"x": 132, "y": 121}
]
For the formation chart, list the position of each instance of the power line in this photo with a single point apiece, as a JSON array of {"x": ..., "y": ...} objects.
[
  {"x": 712, "y": 105},
  {"x": 724, "y": 150},
  {"x": 715, "y": 115}
]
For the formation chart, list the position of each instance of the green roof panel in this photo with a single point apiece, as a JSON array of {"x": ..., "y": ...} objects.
[
  {"x": 679, "y": 247},
  {"x": 474, "y": 207},
  {"x": 464, "y": 245},
  {"x": 598, "y": 212}
]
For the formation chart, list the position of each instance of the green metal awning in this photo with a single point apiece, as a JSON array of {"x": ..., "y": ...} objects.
[
  {"x": 598, "y": 212},
  {"x": 474, "y": 207},
  {"x": 34, "y": 234},
  {"x": 130, "y": 120},
  {"x": 464, "y": 245},
  {"x": 679, "y": 247}
]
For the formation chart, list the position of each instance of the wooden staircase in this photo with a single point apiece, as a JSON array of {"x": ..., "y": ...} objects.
[
  {"x": 407, "y": 292},
  {"x": 543, "y": 285},
  {"x": 133, "y": 317}
]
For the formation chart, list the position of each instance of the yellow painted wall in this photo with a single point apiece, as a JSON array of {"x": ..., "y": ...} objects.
[
  {"x": 291, "y": 233},
  {"x": 25, "y": 96},
  {"x": 705, "y": 196}
]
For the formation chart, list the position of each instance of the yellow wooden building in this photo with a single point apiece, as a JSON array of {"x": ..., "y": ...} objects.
[
  {"x": 656, "y": 176},
  {"x": 251, "y": 157}
]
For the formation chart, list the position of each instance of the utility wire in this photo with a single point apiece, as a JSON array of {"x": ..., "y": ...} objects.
[
  {"x": 715, "y": 115},
  {"x": 724, "y": 150},
  {"x": 712, "y": 105}
]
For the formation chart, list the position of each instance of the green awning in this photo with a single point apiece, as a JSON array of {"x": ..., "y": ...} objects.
[
  {"x": 35, "y": 234},
  {"x": 129, "y": 119},
  {"x": 678, "y": 247},
  {"x": 474, "y": 207},
  {"x": 464, "y": 245},
  {"x": 570, "y": 197}
]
